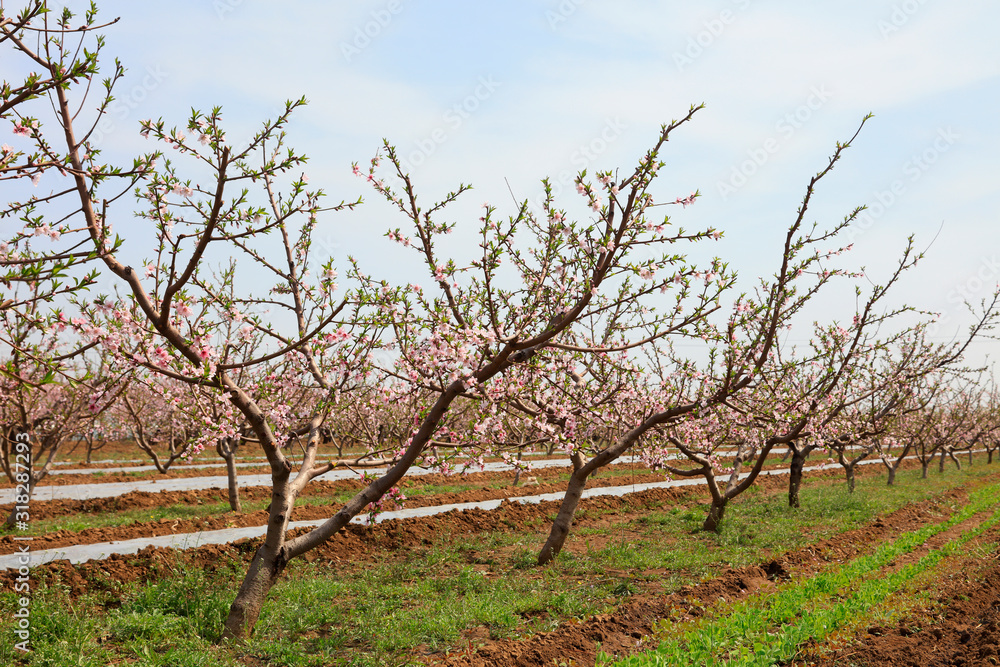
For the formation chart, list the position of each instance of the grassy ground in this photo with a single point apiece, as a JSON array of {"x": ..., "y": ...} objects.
[
  {"x": 448, "y": 595},
  {"x": 769, "y": 628}
]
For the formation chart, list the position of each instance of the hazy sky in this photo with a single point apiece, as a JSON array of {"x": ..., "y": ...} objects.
[{"x": 483, "y": 92}]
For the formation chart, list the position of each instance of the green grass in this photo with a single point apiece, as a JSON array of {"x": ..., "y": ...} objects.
[
  {"x": 756, "y": 524},
  {"x": 768, "y": 629},
  {"x": 431, "y": 598}
]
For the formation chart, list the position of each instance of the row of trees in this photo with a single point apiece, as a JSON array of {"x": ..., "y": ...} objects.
[{"x": 556, "y": 329}]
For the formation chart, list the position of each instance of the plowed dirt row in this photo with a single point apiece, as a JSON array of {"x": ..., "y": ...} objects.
[
  {"x": 139, "y": 500},
  {"x": 352, "y": 544},
  {"x": 961, "y": 628},
  {"x": 624, "y": 631},
  {"x": 302, "y": 512},
  {"x": 359, "y": 543},
  {"x": 181, "y": 471},
  {"x": 543, "y": 478}
]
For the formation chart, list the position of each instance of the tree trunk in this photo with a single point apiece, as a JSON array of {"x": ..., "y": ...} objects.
[
  {"x": 226, "y": 448},
  {"x": 849, "y": 470},
  {"x": 989, "y": 457},
  {"x": 715, "y": 514},
  {"x": 561, "y": 526},
  {"x": 19, "y": 506},
  {"x": 795, "y": 477},
  {"x": 234, "y": 489},
  {"x": 892, "y": 476},
  {"x": 267, "y": 566},
  {"x": 924, "y": 465}
]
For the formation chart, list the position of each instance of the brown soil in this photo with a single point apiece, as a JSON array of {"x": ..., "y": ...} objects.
[
  {"x": 141, "y": 499},
  {"x": 353, "y": 543},
  {"x": 177, "y": 471},
  {"x": 64, "y": 538},
  {"x": 618, "y": 632},
  {"x": 357, "y": 543},
  {"x": 180, "y": 470},
  {"x": 106, "y": 478},
  {"x": 961, "y": 627},
  {"x": 45, "y": 509},
  {"x": 623, "y": 632}
]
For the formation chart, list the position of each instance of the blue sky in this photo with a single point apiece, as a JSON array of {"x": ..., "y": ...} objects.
[{"x": 483, "y": 92}]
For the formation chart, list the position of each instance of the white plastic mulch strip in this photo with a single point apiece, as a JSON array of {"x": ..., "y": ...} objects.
[
  {"x": 112, "y": 489},
  {"x": 86, "y": 552}
]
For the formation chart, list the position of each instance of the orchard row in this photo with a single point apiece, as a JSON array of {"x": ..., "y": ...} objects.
[{"x": 556, "y": 331}]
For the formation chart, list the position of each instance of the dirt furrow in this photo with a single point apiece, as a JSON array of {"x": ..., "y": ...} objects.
[
  {"x": 140, "y": 500},
  {"x": 624, "y": 631},
  {"x": 960, "y": 627}
]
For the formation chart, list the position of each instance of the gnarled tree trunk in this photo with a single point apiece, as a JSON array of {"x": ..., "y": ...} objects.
[
  {"x": 226, "y": 448},
  {"x": 560, "y": 527},
  {"x": 715, "y": 514},
  {"x": 795, "y": 476}
]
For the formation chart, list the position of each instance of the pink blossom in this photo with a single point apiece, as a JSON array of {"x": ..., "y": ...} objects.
[
  {"x": 21, "y": 129},
  {"x": 160, "y": 356},
  {"x": 686, "y": 201}
]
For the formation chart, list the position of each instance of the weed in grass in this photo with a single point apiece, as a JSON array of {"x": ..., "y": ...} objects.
[
  {"x": 61, "y": 633},
  {"x": 189, "y": 594}
]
